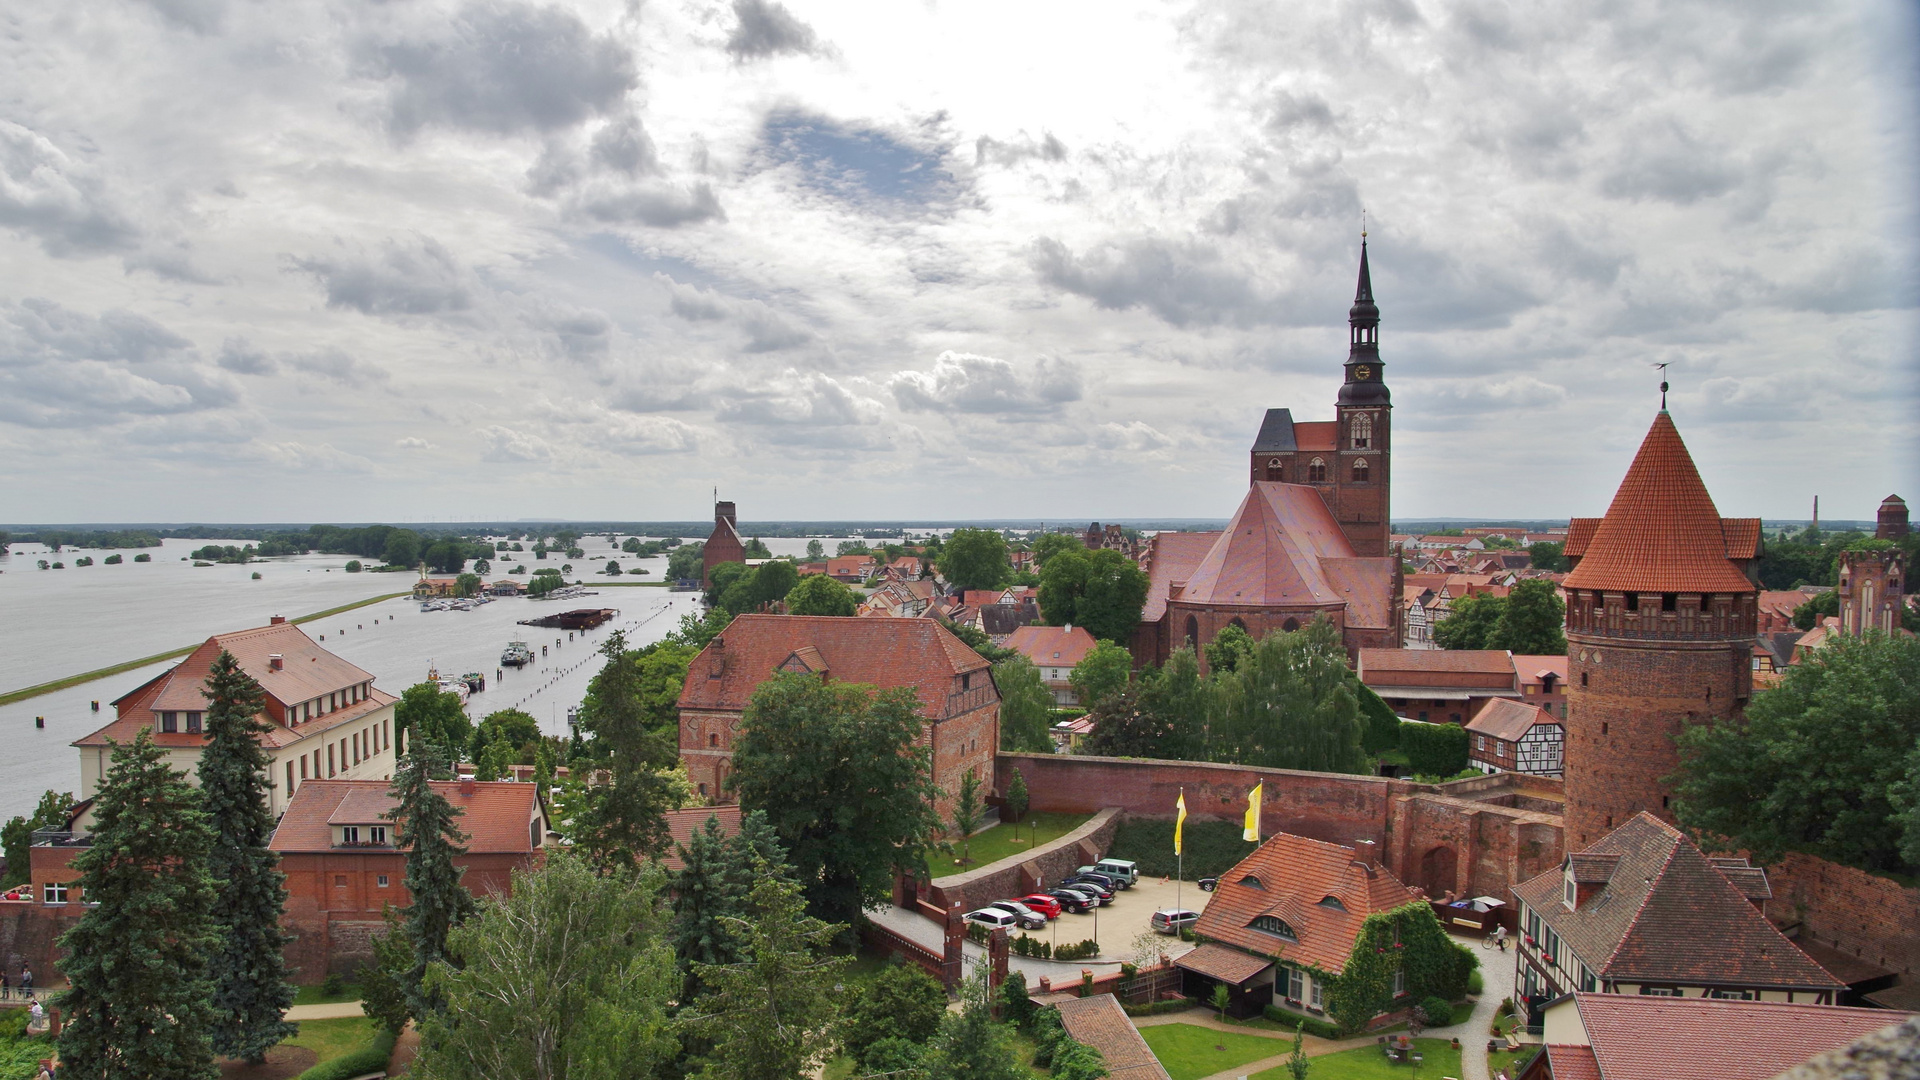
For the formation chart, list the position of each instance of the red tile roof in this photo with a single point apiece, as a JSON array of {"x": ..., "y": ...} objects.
[
  {"x": 1573, "y": 1063},
  {"x": 497, "y": 818},
  {"x": 1509, "y": 720},
  {"x": 1099, "y": 1022},
  {"x": 1052, "y": 646},
  {"x": 1386, "y": 662},
  {"x": 1532, "y": 669},
  {"x": 1223, "y": 962},
  {"x": 1174, "y": 555},
  {"x": 881, "y": 652},
  {"x": 1320, "y": 435},
  {"x": 1662, "y": 533},
  {"x": 1668, "y": 915},
  {"x": 1641, "y": 1038},
  {"x": 1295, "y": 876}
]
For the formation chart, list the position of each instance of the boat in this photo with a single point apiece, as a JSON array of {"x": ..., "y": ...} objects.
[
  {"x": 475, "y": 681},
  {"x": 517, "y": 654}
]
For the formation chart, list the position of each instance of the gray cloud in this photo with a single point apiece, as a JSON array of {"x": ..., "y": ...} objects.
[
  {"x": 337, "y": 365},
  {"x": 799, "y": 400},
  {"x": 767, "y": 330},
  {"x": 505, "y": 445},
  {"x": 199, "y": 16},
  {"x": 965, "y": 382},
  {"x": 1182, "y": 283},
  {"x": 988, "y": 149},
  {"x": 237, "y": 354},
  {"x": 61, "y": 368},
  {"x": 764, "y": 28},
  {"x": 503, "y": 66},
  {"x": 624, "y": 146},
  {"x": 58, "y": 201},
  {"x": 1664, "y": 161},
  {"x": 660, "y": 205},
  {"x": 417, "y": 277}
]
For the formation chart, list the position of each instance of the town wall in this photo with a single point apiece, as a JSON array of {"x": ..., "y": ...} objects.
[
  {"x": 1871, "y": 917},
  {"x": 1040, "y": 867}
]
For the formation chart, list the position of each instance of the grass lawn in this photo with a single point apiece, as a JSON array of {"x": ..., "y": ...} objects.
[
  {"x": 1438, "y": 1058},
  {"x": 312, "y": 995},
  {"x": 331, "y": 1038},
  {"x": 1187, "y": 1050},
  {"x": 1006, "y": 839}
]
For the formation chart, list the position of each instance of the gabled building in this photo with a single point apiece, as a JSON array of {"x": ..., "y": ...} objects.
[
  {"x": 1055, "y": 650},
  {"x": 1543, "y": 682},
  {"x": 723, "y": 543},
  {"x": 1447, "y": 686},
  {"x": 1643, "y": 911},
  {"x": 326, "y": 718},
  {"x": 952, "y": 682},
  {"x": 1513, "y": 736}
]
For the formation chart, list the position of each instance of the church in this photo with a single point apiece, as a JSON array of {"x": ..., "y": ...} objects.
[{"x": 1310, "y": 539}]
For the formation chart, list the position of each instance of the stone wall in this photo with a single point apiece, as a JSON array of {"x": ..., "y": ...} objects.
[
  {"x": 1853, "y": 911},
  {"x": 1017, "y": 875}
]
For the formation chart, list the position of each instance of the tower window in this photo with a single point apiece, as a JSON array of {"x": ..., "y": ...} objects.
[
  {"x": 1583, "y": 678},
  {"x": 1361, "y": 471},
  {"x": 1317, "y": 471},
  {"x": 1633, "y": 601},
  {"x": 1669, "y": 602},
  {"x": 1362, "y": 431}
]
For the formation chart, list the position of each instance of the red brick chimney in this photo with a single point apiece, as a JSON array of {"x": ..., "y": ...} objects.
[
  {"x": 467, "y": 785},
  {"x": 276, "y": 661},
  {"x": 277, "y": 620},
  {"x": 1367, "y": 854},
  {"x": 718, "y": 656}
]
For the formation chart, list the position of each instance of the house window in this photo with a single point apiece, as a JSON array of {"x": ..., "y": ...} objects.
[
  {"x": 1362, "y": 432},
  {"x": 1660, "y": 991},
  {"x": 193, "y": 723},
  {"x": 350, "y": 834},
  {"x": 331, "y": 771},
  {"x": 54, "y": 892},
  {"x": 1731, "y": 995},
  {"x": 1361, "y": 471},
  {"x": 1313, "y": 995},
  {"x": 381, "y": 881},
  {"x": 1587, "y": 981},
  {"x": 713, "y": 739},
  {"x": 376, "y": 834},
  {"x": 289, "y": 779},
  {"x": 1253, "y": 881},
  {"x": 1399, "y": 982},
  {"x": 1569, "y": 891},
  {"x": 1480, "y": 742},
  {"x": 1268, "y": 924},
  {"x": 169, "y": 722},
  {"x": 1317, "y": 471},
  {"x": 1296, "y": 984}
]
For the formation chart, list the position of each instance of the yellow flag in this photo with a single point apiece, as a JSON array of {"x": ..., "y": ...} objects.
[
  {"x": 1252, "y": 831},
  {"x": 1179, "y": 819}
]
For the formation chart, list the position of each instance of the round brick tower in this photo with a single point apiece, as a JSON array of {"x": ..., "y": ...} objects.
[{"x": 1661, "y": 607}]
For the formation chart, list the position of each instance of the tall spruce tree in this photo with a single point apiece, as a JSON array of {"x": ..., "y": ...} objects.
[
  {"x": 717, "y": 872},
  {"x": 250, "y": 989},
  {"x": 140, "y": 1003},
  {"x": 440, "y": 903}
]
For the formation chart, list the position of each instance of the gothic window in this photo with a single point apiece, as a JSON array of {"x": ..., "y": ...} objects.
[
  {"x": 1268, "y": 924},
  {"x": 1360, "y": 471},
  {"x": 1362, "y": 431},
  {"x": 1290, "y": 625},
  {"x": 1193, "y": 631},
  {"x": 1317, "y": 471}
]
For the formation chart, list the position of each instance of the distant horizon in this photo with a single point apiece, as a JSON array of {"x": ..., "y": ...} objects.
[{"x": 642, "y": 528}]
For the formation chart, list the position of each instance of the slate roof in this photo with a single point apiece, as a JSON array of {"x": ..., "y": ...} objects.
[
  {"x": 1052, "y": 646},
  {"x": 1099, "y": 1022},
  {"x": 1295, "y": 876},
  {"x": 1509, "y": 720},
  {"x": 1641, "y": 1038},
  {"x": 1666, "y": 914},
  {"x": 1276, "y": 433},
  {"x": 886, "y": 653},
  {"x": 1662, "y": 532},
  {"x": 497, "y": 817}
]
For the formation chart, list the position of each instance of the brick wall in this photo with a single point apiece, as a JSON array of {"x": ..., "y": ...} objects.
[
  {"x": 1015, "y": 875},
  {"x": 1851, "y": 910}
]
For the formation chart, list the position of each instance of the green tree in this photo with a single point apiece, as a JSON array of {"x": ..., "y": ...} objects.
[
  {"x": 140, "y": 999},
  {"x": 1820, "y": 605},
  {"x": 1826, "y": 762},
  {"x": 975, "y": 559},
  {"x": 977, "y": 640},
  {"x": 514, "y": 727},
  {"x": 716, "y": 875},
  {"x": 1470, "y": 624},
  {"x": 1047, "y": 544},
  {"x": 1435, "y": 751},
  {"x": 1291, "y": 704},
  {"x": 402, "y": 548},
  {"x": 248, "y": 967},
  {"x": 50, "y": 814},
  {"x": 685, "y": 562},
  {"x": 624, "y": 714},
  {"x": 1101, "y": 590},
  {"x": 1026, "y": 706},
  {"x": 433, "y": 715},
  {"x": 967, "y": 813},
  {"x": 756, "y": 548},
  {"x": 1164, "y": 714},
  {"x": 852, "y": 547},
  {"x": 1017, "y": 798},
  {"x": 612, "y": 568},
  {"x": 1101, "y": 674},
  {"x": 1380, "y": 724},
  {"x": 815, "y": 550},
  {"x": 427, "y": 827},
  {"x": 445, "y": 556},
  {"x": 970, "y": 1045},
  {"x": 902, "y": 1002},
  {"x": 1532, "y": 621},
  {"x": 839, "y": 771},
  {"x": 1230, "y": 646},
  {"x": 1546, "y": 555},
  {"x": 383, "y": 981},
  {"x": 818, "y": 594},
  {"x": 566, "y": 977},
  {"x": 772, "y": 1014},
  {"x": 466, "y": 585}
]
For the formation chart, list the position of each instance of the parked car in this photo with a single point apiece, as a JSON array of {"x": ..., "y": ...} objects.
[
  {"x": 1103, "y": 892},
  {"x": 1124, "y": 872},
  {"x": 1027, "y": 918},
  {"x": 1042, "y": 903},
  {"x": 1173, "y": 920},
  {"x": 1075, "y": 901},
  {"x": 1099, "y": 879},
  {"x": 993, "y": 917},
  {"x": 1094, "y": 894},
  {"x": 1208, "y": 884}
]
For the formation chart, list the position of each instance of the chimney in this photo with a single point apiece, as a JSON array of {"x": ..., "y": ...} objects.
[
  {"x": 1367, "y": 854},
  {"x": 276, "y": 661},
  {"x": 467, "y": 785},
  {"x": 719, "y": 657},
  {"x": 277, "y": 620}
]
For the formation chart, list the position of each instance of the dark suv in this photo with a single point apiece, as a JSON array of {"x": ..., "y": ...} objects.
[{"x": 1090, "y": 881}]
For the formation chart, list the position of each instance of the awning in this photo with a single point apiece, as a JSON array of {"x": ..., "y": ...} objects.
[{"x": 1229, "y": 965}]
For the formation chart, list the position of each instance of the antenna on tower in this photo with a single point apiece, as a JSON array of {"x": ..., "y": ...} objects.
[
  {"x": 1363, "y": 223},
  {"x": 1663, "y": 386}
]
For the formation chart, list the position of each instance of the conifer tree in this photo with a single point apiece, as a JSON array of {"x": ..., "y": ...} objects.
[
  {"x": 440, "y": 903},
  {"x": 248, "y": 968},
  {"x": 717, "y": 874},
  {"x": 140, "y": 998}
]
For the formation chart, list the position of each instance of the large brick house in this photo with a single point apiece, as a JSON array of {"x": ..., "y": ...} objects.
[
  {"x": 327, "y": 719},
  {"x": 1055, "y": 650},
  {"x": 1643, "y": 911},
  {"x": 1441, "y": 686},
  {"x": 955, "y": 687},
  {"x": 344, "y": 866}
]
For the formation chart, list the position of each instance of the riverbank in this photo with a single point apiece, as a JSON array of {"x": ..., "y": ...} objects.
[{"x": 26, "y": 692}]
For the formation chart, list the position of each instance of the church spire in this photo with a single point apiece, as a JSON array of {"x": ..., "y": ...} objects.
[{"x": 1365, "y": 383}]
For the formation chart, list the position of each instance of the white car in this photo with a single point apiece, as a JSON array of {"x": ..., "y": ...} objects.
[
  {"x": 1029, "y": 919},
  {"x": 993, "y": 918}
]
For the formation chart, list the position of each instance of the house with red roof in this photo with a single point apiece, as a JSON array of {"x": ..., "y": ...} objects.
[
  {"x": 326, "y": 719},
  {"x": 851, "y": 569},
  {"x": 1281, "y": 926},
  {"x": 1543, "y": 681},
  {"x": 1055, "y": 650},
  {"x": 1593, "y": 1036},
  {"x": 953, "y": 683},
  {"x": 345, "y": 859},
  {"x": 1438, "y": 685},
  {"x": 1514, "y": 736},
  {"x": 1645, "y": 912}
]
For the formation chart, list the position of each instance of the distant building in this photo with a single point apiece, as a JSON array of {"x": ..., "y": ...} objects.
[
  {"x": 1872, "y": 590},
  {"x": 1055, "y": 650},
  {"x": 1543, "y": 682},
  {"x": 723, "y": 544},
  {"x": 1447, "y": 686},
  {"x": 952, "y": 682},
  {"x": 851, "y": 569},
  {"x": 1508, "y": 736}
]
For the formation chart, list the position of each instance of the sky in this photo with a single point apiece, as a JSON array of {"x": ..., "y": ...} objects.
[{"x": 495, "y": 259}]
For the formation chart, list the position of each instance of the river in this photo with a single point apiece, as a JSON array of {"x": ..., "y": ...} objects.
[{"x": 57, "y": 623}]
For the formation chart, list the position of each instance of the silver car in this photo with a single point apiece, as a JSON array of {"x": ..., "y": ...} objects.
[{"x": 1029, "y": 919}]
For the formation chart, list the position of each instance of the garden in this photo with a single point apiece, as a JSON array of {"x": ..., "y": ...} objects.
[{"x": 1000, "y": 841}]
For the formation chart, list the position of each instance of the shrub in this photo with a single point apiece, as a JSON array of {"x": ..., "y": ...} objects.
[
  {"x": 87, "y": 560},
  {"x": 1085, "y": 950},
  {"x": 1212, "y": 847},
  {"x": 1434, "y": 749},
  {"x": 1314, "y": 1025},
  {"x": 370, "y": 1059},
  {"x": 1476, "y": 983},
  {"x": 1439, "y": 1013},
  {"x": 111, "y": 560},
  {"x": 1156, "y": 1008},
  {"x": 143, "y": 557},
  {"x": 354, "y": 567},
  {"x": 1023, "y": 945},
  {"x": 1015, "y": 1003},
  {"x": 333, "y": 985}
]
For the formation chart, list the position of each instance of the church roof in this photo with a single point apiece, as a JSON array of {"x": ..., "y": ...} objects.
[
  {"x": 1662, "y": 532},
  {"x": 1270, "y": 553},
  {"x": 1276, "y": 433}
]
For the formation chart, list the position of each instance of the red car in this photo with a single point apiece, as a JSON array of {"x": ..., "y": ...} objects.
[{"x": 1044, "y": 904}]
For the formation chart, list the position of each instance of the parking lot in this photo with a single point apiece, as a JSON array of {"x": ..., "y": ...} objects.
[{"x": 1118, "y": 925}]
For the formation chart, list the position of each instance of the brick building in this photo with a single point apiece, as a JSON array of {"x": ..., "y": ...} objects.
[
  {"x": 1543, "y": 682},
  {"x": 345, "y": 863},
  {"x": 1055, "y": 650},
  {"x": 1872, "y": 591},
  {"x": 723, "y": 544},
  {"x": 327, "y": 719},
  {"x": 1661, "y": 611},
  {"x": 953, "y": 683},
  {"x": 1447, "y": 686}
]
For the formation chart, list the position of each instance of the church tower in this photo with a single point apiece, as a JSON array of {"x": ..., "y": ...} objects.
[
  {"x": 1661, "y": 609},
  {"x": 1363, "y": 428}
]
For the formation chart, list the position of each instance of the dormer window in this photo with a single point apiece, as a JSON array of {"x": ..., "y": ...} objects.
[
  {"x": 1268, "y": 924},
  {"x": 169, "y": 722},
  {"x": 1252, "y": 881},
  {"x": 193, "y": 723},
  {"x": 376, "y": 834},
  {"x": 350, "y": 834},
  {"x": 1332, "y": 902},
  {"x": 1569, "y": 889}
]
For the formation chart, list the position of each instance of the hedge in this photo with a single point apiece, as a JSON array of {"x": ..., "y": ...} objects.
[
  {"x": 1213, "y": 847},
  {"x": 1315, "y": 1027},
  {"x": 371, "y": 1059},
  {"x": 1434, "y": 749},
  {"x": 1156, "y": 1008},
  {"x": 1439, "y": 1013},
  {"x": 1379, "y": 724}
]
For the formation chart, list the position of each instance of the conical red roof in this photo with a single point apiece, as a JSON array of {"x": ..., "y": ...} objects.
[{"x": 1662, "y": 533}]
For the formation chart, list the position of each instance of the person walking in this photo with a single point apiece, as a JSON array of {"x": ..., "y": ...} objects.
[{"x": 1500, "y": 938}]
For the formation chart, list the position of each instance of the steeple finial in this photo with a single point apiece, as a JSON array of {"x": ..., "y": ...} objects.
[
  {"x": 1363, "y": 292},
  {"x": 1663, "y": 386}
]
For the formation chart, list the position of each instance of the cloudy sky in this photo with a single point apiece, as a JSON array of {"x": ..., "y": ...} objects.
[{"x": 494, "y": 258}]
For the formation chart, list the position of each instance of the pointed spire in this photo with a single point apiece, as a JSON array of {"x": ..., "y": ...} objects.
[{"x": 1363, "y": 294}]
